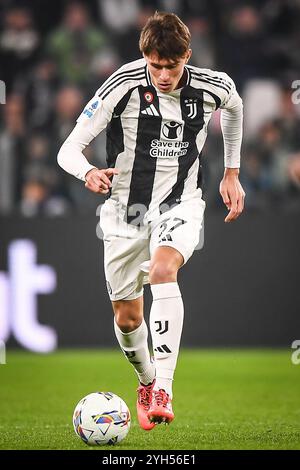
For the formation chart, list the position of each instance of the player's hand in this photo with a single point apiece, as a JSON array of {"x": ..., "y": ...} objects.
[
  {"x": 232, "y": 193},
  {"x": 98, "y": 181}
]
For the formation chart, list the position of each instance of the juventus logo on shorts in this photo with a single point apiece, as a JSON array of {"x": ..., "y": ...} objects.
[
  {"x": 162, "y": 329},
  {"x": 192, "y": 106},
  {"x": 163, "y": 349}
]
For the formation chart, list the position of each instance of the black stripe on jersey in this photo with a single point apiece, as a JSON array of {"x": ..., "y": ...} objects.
[
  {"x": 192, "y": 127},
  {"x": 114, "y": 131},
  {"x": 188, "y": 82},
  {"x": 225, "y": 87},
  {"x": 215, "y": 97},
  {"x": 215, "y": 81},
  {"x": 110, "y": 81},
  {"x": 148, "y": 77},
  {"x": 212, "y": 78},
  {"x": 144, "y": 166},
  {"x": 200, "y": 175},
  {"x": 138, "y": 77}
]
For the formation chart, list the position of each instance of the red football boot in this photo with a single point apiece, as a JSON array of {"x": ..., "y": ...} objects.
[
  {"x": 142, "y": 405},
  {"x": 160, "y": 410}
]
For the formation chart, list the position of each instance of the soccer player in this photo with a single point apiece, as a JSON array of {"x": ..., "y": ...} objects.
[{"x": 156, "y": 111}]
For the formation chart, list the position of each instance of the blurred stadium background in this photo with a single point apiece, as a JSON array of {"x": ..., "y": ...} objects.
[{"x": 242, "y": 288}]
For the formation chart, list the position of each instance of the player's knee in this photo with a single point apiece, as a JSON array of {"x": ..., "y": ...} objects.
[
  {"x": 162, "y": 272},
  {"x": 127, "y": 318},
  {"x": 127, "y": 324}
]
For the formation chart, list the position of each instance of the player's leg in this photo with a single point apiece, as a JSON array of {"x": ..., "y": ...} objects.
[
  {"x": 166, "y": 320},
  {"x": 174, "y": 237},
  {"x": 132, "y": 334},
  {"x": 125, "y": 249}
]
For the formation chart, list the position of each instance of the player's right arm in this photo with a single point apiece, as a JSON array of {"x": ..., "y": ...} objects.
[
  {"x": 94, "y": 118},
  {"x": 90, "y": 123}
]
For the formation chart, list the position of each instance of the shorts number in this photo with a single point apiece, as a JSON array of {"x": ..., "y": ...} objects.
[{"x": 164, "y": 225}]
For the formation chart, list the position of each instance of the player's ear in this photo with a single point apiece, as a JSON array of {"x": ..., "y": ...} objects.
[{"x": 188, "y": 55}]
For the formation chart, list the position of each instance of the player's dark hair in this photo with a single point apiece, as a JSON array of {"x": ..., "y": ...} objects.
[{"x": 165, "y": 34}]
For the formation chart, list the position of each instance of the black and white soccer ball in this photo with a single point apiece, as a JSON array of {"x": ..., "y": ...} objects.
[{"x": 101, "y": 418}]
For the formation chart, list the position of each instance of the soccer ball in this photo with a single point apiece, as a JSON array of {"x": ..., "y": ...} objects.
[{"x": 101, "y": 418}]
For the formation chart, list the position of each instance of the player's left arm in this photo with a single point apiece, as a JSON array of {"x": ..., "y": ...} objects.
[{"x": 231, "y": 190}]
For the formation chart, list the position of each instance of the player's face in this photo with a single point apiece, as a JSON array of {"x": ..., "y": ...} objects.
[{"x": 166, "y": 74}]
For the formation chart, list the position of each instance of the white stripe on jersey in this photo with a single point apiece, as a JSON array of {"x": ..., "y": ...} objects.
[
  {"x": 191, "y": 180},
  {"x": 166, "y": 168}
]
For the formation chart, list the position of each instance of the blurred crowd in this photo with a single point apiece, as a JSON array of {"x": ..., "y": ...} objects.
[{"x": 54, "y": 56}]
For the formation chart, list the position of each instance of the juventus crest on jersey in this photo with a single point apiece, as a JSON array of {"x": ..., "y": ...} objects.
[{"x": 155, "y": 139}]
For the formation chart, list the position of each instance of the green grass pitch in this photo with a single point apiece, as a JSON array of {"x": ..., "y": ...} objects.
[{"x": 223, "y": 399}]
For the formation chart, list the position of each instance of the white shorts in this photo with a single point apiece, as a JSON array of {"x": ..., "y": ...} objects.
[{"x": 128, "y": 248}]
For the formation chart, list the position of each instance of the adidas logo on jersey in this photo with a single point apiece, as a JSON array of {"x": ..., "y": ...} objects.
[{"x": 150, "y": 111}]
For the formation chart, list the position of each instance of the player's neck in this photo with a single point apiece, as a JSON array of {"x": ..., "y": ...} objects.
[{"x": 183, "y": 80}]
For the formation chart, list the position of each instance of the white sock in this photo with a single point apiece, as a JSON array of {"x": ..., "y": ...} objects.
[
  {"x": 166, "y": 320},
  {"x": 135, "y": 347}
]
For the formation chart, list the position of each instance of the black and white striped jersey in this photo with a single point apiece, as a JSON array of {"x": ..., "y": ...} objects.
[{"x": 154, "y": 139}]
